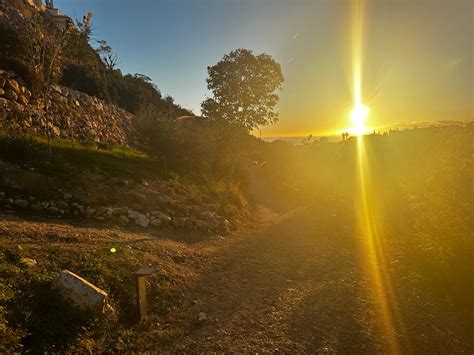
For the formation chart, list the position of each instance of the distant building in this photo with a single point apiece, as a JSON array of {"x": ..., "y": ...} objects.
[
  {"x": 55, "y": 16},
  {"x": 29, "y": 7}
]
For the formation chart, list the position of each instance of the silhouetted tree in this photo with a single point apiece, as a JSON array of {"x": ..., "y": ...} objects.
[{"x": 245, "y": 89}]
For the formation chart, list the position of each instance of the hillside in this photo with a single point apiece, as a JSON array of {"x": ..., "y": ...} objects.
[{"x": 359, "y": 244}]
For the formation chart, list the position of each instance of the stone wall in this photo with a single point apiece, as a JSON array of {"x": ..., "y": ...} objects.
[{"x": 72, "y": 114}]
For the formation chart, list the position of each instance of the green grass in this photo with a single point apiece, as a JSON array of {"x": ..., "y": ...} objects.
[{"x": 69, "y": 157}]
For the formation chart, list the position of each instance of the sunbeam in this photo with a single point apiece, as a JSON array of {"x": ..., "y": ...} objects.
[{"x": 368, "y": 213}]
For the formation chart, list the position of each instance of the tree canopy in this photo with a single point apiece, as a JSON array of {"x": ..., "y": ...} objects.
[{"x": 245, "y": 89}]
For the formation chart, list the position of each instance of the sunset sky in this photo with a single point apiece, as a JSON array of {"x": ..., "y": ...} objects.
[{"x": 418, "y": 54}]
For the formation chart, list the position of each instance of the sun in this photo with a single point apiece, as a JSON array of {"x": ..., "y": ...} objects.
[{"x": 358, "y": 116}]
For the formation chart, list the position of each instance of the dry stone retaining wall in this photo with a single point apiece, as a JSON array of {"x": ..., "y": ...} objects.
[{"x": 72, "y": 114}]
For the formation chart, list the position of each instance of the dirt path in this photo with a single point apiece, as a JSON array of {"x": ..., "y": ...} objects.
[{"x": 295, "y": 285}]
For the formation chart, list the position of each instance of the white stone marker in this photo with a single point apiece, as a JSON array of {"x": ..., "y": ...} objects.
[{"x": 81, "y": 292}]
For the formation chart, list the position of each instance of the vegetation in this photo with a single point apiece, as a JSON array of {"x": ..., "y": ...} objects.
[
  {"x": 69, "y": 158},
  {"x": 420, "y": 181},
  {"x": 245, "y": 89}
]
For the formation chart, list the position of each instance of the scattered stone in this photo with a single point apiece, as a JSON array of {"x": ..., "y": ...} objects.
[
  {"x": 120, "y": 211},
  {"x": 37, "y": 207},
  {"x": 53, "y": 210},
  {"x": 202, "y": 316},
  {"x": 155, "y": 222},
  {"x": 133, "y": 214},
  {"x": 11, "y": 95},
  {"x": 28, "y": 262},
  {"x": 80, "y": 292},
  {"x": 180, "y": 222},
  {"x": 62, "y": 204},
  {"x": 124, "y": 220},
  {"x": 3, "y": 102},
  {"x": 21, "y": 203},
  {"x": 208, "y": 215},
  {"x": 142, "y": 221}
]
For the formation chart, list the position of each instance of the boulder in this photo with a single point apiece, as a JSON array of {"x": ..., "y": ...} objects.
[
  {"x": 2, "y": 92},
  {"x": 80, "y": 292}
]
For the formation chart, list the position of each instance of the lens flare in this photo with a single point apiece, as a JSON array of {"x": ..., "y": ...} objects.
[{"x": 370, "y": 223}]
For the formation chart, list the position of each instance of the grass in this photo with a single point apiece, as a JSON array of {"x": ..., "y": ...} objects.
[{"x": 68, "y": 157}]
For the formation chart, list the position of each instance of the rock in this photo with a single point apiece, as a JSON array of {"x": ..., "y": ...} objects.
[
  {"x": 180, "y": 222},
  {"x": 90, "y": 212},
  {"x": 200, "y": 224},
  {"x": 3, "y": 103},
  {"x": 133, "y": 214},
  {"x": 11, "y": 95},
  {"x": 22, "y": 100},
  {"x": 21, "y": 203},
  {"x": 81, "y": 292},
  {"x": 202, "y": 316},
  {"x": 155, "y": 222},
  {"x": 142, "y": 221},
  {"x": 208, "y": 215},
  {"x": 120, "y": 211},
  {"x": 2, "y": 82},
  {"x": 123, "y": 219},
  {"x": 38, "y": 207},
  {"x": 101, "y": 211},
  {"x": 13, "y": 86},
  {"x": 53, "y": 210},
  {"x": 28, "y": 262},
  {"x": 163, "y": 217},
  {"x": 225, "y": 225},
  {"x": 56, "y": 131},
  {"x": 2, "y": 92},
  {"x": 62, "y": 204}
]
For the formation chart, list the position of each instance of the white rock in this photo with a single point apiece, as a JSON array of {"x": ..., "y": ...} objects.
[{"x": 81, "y": 292}]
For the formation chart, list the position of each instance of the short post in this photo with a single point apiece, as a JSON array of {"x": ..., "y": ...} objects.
[{"x": 140, "y": 279}]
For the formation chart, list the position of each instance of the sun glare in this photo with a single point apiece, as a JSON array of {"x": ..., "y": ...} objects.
[{"x": 358, "y": 116}]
